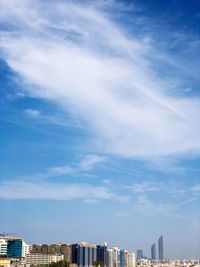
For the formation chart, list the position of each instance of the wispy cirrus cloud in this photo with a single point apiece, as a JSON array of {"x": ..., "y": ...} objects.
[
  {"x": 145, "y": 205},
  {"x": 34, "y": 113},
  {"x": 56, "y": 191},
  {"x": 86, "y": 164},
  {"x": 52, "y": 119},
  {"x": 149, "y": 207},
  {"x": 77, "y": 57},
  {"x": 145, "y": 186},
  {"x": 196, "y": 188},
  {"x": 90, "y": 161}
]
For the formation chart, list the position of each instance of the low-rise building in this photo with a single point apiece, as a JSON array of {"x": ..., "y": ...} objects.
[
  {"x": 43, "y": 259},
  {"x": 4, "y": 262}
]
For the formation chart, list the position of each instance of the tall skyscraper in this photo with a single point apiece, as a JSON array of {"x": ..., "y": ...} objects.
[
  {"x": 160, "y": 248},
  {"x": 153, "y": 252},
  {"x": 139, "y": 254}
]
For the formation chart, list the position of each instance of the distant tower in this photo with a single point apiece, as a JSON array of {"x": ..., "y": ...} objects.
[
  {"x": 121, "y": 255},
  {"x": 139, "y": 254},
  {"x": 153, "y": 252},
  {"x": 160, "y": 248}
]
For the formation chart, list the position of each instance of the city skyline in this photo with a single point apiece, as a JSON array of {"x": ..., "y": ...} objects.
[
  {"x": 100, "y": 112},
  {"x": 71, "y": 251}
]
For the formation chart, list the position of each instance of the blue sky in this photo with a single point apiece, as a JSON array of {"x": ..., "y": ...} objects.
[{"x": 100, "y": 122}]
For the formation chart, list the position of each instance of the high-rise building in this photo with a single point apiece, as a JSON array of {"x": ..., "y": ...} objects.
[
  {"x": 153, "y": 252},
  {"x": 126, "y": 254},
  {"x": 131, "y": 259},
  {"x": 121, "y": 253},
  {"x": 116, "y": 257},
  {"x": 102, "y": 254},
  {"x": 12, "y": 246},
  {"x": 17, "y": 248},
  {"x": 139, "y": 254},
  {"x": 109, "y": 258},
  {"x": 84, "y": 254},
  {"x": 160, "y": 248},
  {"x": 74, "y": 254}
]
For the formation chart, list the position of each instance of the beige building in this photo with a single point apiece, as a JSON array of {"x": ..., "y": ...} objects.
[
  {"x": 4, "y": 262},
  {"x": 41, "y": 259}
]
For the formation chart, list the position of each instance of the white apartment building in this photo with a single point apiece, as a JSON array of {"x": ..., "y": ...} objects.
[
  {"x": 131, "y": 259},
  {"x": 110, "y": 257},
  {"x": 3, "y": 247},
  {"x": 25, "y": 249},
  {"x": 116, "y": 257},
  {"x": 39, "y": 259}
]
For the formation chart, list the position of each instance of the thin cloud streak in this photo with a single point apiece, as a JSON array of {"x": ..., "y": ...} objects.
[
  {"x": 86, "y": 164},
  {"x": 144, "y": 187},
  {"x": 56, "y": 191}
]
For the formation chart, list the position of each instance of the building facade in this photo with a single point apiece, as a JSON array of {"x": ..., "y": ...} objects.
[
  {"x": 116, "y": 257},
  {"x": 84, "y": 254},
  {"x": 17, "y": 248},
  {"x": 66, "y": 250},
  {"x": 3, "y": 247},
  {"x": 131, "y": 259},
  {"x": 109, "y": 258},
  {"x": 121, "y": 258},
  {"x": 139, "y": 254},
  {"x": 160, "y": 248},
  {"x": 102, "y": 254},
  {"x": 43, "y": 259},
  {"x": 153, "y": 252},
  {"x": 5, "y": 262}
]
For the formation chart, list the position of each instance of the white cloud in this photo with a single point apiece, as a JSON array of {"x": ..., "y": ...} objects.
[
  {"x": 86, "y": 164},
  {"x": 196, "y": 188},
  {"x": 56, "y": 191},
  {"x": 32, "y": 113},
  {"x": 76, "y": 56},
  {"x": 90, "y": 161},
  {"x": 60, "y": 170},
  {"x": 144, "y": 187},
  {"x": 148, "y": 207},
  {"x": 55, "y": 119}
]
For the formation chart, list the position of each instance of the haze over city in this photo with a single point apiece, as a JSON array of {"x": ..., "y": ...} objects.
[{"x": 100, "y": 123}]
